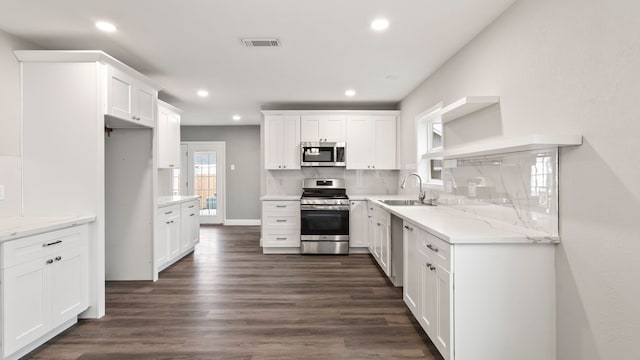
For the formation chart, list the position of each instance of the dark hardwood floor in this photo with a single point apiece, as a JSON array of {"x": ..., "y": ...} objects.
[{"x": 229, "y": 301}]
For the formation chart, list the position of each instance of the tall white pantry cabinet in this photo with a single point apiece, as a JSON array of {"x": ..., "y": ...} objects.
[{"x": 89, "y": 148}]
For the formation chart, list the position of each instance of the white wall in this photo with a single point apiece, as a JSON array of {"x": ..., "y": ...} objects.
[
  {"x": 567, "y": 66},
  {"x": 10, "y": 123}
]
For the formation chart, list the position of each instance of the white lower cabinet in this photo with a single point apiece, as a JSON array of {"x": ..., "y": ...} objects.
[
  {"x": 178, "y": 232},
  {"x": 281, "y": 226},
  {"x": 45, "y": 286},
  {"x": 358, "y": 225},
  {"x": 190, "y": 225},
  {"x": 380, "y": 235},
  {"x": 481, "y": 301}
]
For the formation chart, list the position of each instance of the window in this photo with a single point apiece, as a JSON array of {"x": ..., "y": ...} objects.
[{"x": 430, "y": 138}]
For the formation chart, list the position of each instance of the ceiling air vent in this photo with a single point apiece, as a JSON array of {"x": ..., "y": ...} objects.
[{"x": 261, "y": 42}]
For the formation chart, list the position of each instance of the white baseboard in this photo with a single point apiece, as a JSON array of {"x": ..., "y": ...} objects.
[{"x": 242, "y": 222}]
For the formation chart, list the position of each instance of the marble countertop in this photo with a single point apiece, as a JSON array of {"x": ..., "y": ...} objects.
[
  {"x": 175, "y": 199},
  {"x": 459, "y": 227},
  {"x": 15, "y": 227}
]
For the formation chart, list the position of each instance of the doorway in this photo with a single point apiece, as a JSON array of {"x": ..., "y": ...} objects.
[{"x": 204, "y": 165}]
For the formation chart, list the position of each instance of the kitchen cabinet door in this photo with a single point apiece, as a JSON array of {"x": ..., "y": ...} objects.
[
  {"x": 443, "y": 331},
  {"x": 282, "y": 142},
  {"x": 358, "y": 223},
  {"x": 25, "y": 304},
  {"x": 145, "y": 103},
  {"x": 428, "y": 308},
  {"x": 384, "y": 142},
  {"x": 190, "y": 226},
  {"x": 360, "y": 137},
  {"x": 70, "y": 283},
  {"x": 168, "y": 134},
  {"x": 412, "y": 279},
  {"x": 120, "y": 94},
  {"x": 371, "y": 142},
  {"x": 317, "y": 128}
]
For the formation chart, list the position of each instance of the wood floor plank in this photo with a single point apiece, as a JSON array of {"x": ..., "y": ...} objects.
[{"x": 229, "y": 301}]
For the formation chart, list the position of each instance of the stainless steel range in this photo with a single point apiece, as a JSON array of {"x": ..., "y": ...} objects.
[{"x": 324, "y": 217}]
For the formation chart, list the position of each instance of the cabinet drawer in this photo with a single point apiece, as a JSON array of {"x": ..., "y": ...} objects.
[
  {"x": 189, "y": 207},
  {"x": 281, "y": 239},
  {"x": 439, "y": 250},
  {"x": 33, "y": 247},
  {"x": 281, "y": 221},
  {"x": 168, "y": 212},
  {"x": 292, "y": 207}
]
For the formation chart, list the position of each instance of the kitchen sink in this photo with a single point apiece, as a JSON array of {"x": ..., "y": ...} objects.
[{"x": 405, "y": 203}]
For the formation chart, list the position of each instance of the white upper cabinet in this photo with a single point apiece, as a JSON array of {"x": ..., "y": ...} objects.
[
  {"x": 371, "y": 142},
  {"x": 168, "y": 136},
  {"x": 321, "y": 127},
  {"x": 282, "y": 142},
  {"x": 129, "y": 98}
]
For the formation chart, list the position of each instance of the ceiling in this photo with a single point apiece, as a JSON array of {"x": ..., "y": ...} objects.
[{"x": 327, "y": 47}]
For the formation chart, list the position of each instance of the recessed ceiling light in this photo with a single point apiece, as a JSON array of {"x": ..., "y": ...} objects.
[
  {"x": 236, "y": 117},
  {"x": 203, "y": 93},
  {"x": 380, "y": 24},
  {"x": 350, "y": 92},
  {"x": 106, "y": 26}
]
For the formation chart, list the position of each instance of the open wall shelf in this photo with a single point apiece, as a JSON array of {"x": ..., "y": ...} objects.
[
  {"x": 506, "y": 145},
  {"x": 466, "y": 106}
]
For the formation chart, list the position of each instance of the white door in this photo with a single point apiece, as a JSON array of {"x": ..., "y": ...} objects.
[{"x": 206, "y": 179}]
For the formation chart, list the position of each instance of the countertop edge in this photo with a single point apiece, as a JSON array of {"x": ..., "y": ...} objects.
[
  {"x": 174, "y": 200},
  {"x": 524, "y": 238},
  {"x": 48, "y": 224}
]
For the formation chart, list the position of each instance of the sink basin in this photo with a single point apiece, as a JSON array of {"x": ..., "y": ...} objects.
[{"x": 404, "y": 203}]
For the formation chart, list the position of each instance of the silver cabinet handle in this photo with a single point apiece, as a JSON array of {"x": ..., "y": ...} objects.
[
  {"x": 281, "y": 238},
  {"x": 58, "y": 258},
  {"x": 432, "y": 248},
  {"x": 168, "y": 212},
  {"x": 408, "y": 227},
  {"x": 281, "y": 220},
  {"x": 281, "y": 206},
  {"x": 431, "y": 267},
  {"x": 52, "y": 243},
  {"x": 284, "y": 166},
  {"x": 50, "y": 261},
  {"x": 191, "y": 206},
  {"x": 192, "y": 215},
  {"x": 171, "y": 165},
  {"x": 279, "y": 166},
  {"x": 379, "y": 224}
]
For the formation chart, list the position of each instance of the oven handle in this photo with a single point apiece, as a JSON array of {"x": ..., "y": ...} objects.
[{"x": 325, "y": 207}]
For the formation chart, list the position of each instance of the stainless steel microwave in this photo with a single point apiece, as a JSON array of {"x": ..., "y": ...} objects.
[{"x": 322, "y": 154}]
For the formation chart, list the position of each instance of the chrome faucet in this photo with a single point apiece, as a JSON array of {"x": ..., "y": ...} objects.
[{"x": 421, "y": 194}]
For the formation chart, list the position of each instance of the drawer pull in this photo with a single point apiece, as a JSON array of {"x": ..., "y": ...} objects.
[
  {"x": 168, "y": 212},
  {"x": 50, "y": 261},
  {"x": 431, "y": 267},
  {"x": 58, "y": 258},
  {"x": 379, "y": 224},
  {"x": 432, "y": 248},
  {"x": 281, "y": 206},
  {"x": 281, "y": 238},
  {"x": 192, "y": 215},
  {"x": 191, "y": 206},
  {"x": 53, "y": 243},
  {"x": 281, "y": 220},
  {"x": 408, "y": 227}
]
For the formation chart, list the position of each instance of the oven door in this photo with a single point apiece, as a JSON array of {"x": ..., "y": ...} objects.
[{"x": 324, "y": 222}]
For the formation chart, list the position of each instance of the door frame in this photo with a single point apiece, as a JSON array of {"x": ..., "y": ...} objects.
[{"x": 221, "y": 180}]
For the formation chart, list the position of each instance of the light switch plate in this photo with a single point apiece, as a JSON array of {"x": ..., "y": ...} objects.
[{"x": 1, "y": 192}]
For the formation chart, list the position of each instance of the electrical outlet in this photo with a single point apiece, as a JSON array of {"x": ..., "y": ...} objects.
[{"x": 1, "y": 192}]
